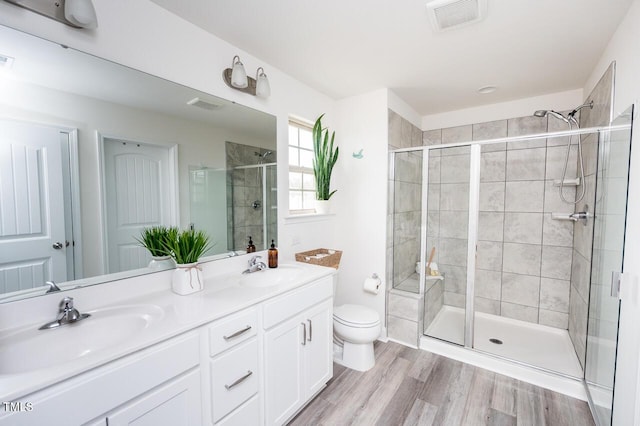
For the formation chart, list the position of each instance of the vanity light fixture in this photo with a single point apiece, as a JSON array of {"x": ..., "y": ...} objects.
[
  {"x": 238, "y": 74},
  {"x": 236, "y": 78},
  {"x": 75, "y": 13},
  {"x": 263, "y": 89}
]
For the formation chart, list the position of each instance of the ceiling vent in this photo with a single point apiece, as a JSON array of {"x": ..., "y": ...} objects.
[
  {"x": 204, "y": 104},
  {"x": 448, "y": 14}
]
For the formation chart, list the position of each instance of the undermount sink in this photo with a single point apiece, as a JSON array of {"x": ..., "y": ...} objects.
[
  {"x": 31, "y": 349},
  {"x": 272, "y": 277}
]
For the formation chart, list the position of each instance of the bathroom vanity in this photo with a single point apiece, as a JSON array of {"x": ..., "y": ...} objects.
[{"x": 250, "y": 349}]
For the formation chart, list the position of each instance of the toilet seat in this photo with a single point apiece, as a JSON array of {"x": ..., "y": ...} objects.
[{"x": 356, "y": 316}]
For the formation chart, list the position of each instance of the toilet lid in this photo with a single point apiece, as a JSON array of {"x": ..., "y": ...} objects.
[{"x": 356, "y": 315}]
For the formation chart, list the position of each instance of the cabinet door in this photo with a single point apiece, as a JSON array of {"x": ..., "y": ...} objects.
[
  {"x": 174, "y": 403},
  {"x": 283, "y": 361},
  {"x": 319, "y": 349}
]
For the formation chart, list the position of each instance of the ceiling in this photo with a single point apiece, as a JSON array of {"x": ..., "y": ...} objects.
[
  {"x": 343, "y": 48},
  {"x": 46, "y": 64}
]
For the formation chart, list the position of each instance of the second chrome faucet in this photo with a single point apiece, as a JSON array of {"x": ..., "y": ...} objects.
[{"x": 255, "y": 264}]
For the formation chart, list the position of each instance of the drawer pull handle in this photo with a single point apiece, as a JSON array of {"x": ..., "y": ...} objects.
[
  {"x": 304, "y": 334},
  {"x": 237, "y": 333},
  {"x": 310, "y": 330},
  {"x": 240, "y": 380}
]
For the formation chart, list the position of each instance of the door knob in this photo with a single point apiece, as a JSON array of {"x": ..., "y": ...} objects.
[{"x": 58, "y": 245}]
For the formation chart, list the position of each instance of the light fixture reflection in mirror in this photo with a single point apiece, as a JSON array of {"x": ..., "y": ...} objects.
[{"x": 90, "y": 104}]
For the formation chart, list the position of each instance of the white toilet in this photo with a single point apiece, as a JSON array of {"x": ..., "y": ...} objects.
[{"x": 355, "y": 328}]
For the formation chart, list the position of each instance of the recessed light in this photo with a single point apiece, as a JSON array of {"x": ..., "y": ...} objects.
[{"x": 487, "y": 89}]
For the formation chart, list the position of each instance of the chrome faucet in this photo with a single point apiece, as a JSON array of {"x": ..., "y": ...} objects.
[
  {"x": 52, "y": 287},
  {"x": 66, "y": 315},
  {"x": 255, "y": 265}
]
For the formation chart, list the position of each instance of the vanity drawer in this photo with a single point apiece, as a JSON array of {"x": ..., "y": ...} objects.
[
  {"x": 234, "y": 378},
  {"x": 248, "y": 414},
  {"x": 228, "y": 332},
  {"x": 288, "y": 305}
]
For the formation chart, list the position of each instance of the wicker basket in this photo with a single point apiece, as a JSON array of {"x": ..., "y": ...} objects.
[{"x": 332, "y": 260}]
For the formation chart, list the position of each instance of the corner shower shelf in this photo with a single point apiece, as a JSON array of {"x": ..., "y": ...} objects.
[
  {"x": 433, "y": 277},
  {"x": 567, "y": 182}
]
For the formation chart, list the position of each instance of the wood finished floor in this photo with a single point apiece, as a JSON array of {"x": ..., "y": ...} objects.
[{"x": 413, "y": 387}]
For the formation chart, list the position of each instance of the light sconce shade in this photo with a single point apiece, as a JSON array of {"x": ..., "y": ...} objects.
[
  {"x": 236, "y": 78},
  {"x": 81, "y": 13},
  {"x": 75, "y": 13},
  {"x": 263, "y": 89},
  {"x": 238, "y": 74}
]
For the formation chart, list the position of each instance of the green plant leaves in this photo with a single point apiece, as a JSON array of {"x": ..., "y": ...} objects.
[
  {"x": 188, "y": 246},
  {"x": 325, "y": 157},
  {"x": 155, "y": 239}
]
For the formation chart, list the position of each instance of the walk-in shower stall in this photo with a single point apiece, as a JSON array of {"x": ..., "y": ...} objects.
[{"x": 497, "y": 260}]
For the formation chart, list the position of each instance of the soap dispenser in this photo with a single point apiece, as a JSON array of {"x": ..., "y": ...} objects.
[
  {"x": 273, "y": 255},
  {"x": 251, "y": 248}
]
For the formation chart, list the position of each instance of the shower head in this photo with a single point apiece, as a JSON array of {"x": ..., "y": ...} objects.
[
  {"x": 588, "y": 104},
  {"x": 543, "y": 112}
]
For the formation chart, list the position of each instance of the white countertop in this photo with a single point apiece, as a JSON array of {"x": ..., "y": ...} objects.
[{"x": 221, "y": 296}]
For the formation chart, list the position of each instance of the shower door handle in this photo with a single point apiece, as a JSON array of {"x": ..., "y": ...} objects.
[{"x": 616, "y": 278}]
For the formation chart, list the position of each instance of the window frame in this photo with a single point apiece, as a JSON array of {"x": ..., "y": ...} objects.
[{"x": 300, "y": 124}]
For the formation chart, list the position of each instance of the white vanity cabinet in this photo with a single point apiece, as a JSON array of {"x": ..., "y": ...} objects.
[
  {"x": 297, "y": 348},
  {"x": 259, "y": 364},
  {"x": 231, "y": 370},
  {"x": 159, "y": 385}
]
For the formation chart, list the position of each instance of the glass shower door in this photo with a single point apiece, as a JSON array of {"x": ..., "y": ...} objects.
[
  {"x": 447, "y": 244},
  {"x": 608, "y": 251}
]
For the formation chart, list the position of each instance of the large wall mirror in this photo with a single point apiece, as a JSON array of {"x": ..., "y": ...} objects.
[{"x": 91, "y": 152}]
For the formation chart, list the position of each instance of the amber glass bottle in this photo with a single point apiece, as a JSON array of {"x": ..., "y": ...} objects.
[
  {"x": 273, "y": 256},
  {"x": 251, "y": 248}
]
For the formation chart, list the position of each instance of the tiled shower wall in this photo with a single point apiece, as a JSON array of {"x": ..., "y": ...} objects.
[
  {"x": 404, "y": 310},
  {"x": 244, "y": 186},
  {"x": 600, "y": 115},
  {"x": 523, "y": 266}
]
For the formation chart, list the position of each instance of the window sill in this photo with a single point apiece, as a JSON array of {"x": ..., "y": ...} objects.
[{"x": 308, "y": 217}]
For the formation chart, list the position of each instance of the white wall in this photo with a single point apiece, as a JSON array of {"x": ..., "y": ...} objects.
[
  {"x": 361, "y": 200},
  {"x": 624, "y": 48},
  {"x": 142, "y": 35},
  {"x": 560, "y": 101}
]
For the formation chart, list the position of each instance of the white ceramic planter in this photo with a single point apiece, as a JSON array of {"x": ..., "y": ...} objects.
[
  {"x": 187, "y": 279},
  {"x": 322, "y": 206},
  {"x": 161, "y": 263}
]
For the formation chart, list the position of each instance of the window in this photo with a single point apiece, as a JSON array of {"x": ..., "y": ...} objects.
[{"x": 302, "y": 185}]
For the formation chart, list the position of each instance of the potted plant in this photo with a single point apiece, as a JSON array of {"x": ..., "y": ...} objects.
[
  {"x": 325, "y": 157},
  {"x": 186, "y": 248},
  {"x": 155, "y": 240}
]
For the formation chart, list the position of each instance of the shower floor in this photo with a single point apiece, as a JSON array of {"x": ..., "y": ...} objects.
[{"x": 533, "y": 344}]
